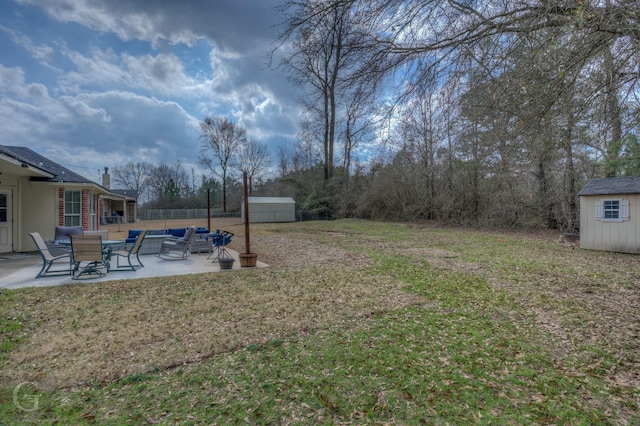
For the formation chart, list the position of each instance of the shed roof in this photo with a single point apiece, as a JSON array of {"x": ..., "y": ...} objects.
[
  {"x": 611, "y": 186},
  {"x": 271, "y": 200}
]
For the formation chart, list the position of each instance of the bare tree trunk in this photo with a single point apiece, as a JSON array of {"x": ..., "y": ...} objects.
[
  {"x": 571, "y": 193},
  {"x": 613, "y": 114}
]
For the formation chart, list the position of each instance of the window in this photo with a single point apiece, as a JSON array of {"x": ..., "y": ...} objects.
[
  {"x": 72, "y": 208},
  {"x": 612, "y": 210},
  {"x": 3, "y": 207}
]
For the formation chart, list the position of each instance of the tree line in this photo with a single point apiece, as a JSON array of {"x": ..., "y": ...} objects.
[{"x": 490, "y": 113}]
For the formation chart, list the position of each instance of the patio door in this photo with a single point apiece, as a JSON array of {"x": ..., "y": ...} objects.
[{"x": 6, "y": 236}]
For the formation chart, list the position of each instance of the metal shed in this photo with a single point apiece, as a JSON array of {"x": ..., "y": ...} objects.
[
  {"x": 270, "y": 209},
  {"x": 610, "y": 215}
]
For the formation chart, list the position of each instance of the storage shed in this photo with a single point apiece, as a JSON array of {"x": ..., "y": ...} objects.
[
  {"x": 610, "y": 215},
  {"x": 270, "y": 209}
]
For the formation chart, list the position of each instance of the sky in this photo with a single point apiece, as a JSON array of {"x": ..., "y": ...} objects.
[{"x": 96, "y": 83}]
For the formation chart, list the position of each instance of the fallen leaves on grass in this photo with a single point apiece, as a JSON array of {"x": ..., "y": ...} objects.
[{"x": 105, "y": 331}]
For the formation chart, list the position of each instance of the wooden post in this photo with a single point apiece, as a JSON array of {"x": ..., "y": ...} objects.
[
  {"x": 209, "y": 209},
  {"x": 247, "y": 259},
  {"x": 247, "y": 242}
]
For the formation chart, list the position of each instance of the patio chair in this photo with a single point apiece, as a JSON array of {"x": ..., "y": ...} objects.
[
  {"x": 88, "y": 248},
  {"x": 219, "y": 242},
  {"x": 104, "y": 233},
  {"x": 49, "y": 259},
  {"x": 62, "y": 233},
  {"x": 177, "y": 248},
  {"x": 134, "y": 250}
]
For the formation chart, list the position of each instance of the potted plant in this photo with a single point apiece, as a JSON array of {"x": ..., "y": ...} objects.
[{"x": 247, "y": 259}]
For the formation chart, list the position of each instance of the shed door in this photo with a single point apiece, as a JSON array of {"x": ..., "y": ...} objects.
[{"x": 6, "y": 237}]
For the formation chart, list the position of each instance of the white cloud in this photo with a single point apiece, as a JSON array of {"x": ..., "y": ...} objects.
[
  {"x": 162, "y": 74},
  {"x": 39, "y": 51},
  {"x": 11, "y": 79},
  {"x": 137, "y": 81},
  {"x": 104, "y": 17}
]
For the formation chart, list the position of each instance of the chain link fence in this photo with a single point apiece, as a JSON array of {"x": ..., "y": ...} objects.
[{"x": 168, "y": 214}]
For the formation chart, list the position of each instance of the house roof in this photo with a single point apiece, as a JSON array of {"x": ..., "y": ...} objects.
[
  {"x": 612, "y": 186},
  {"x": 125, "y": 192},
  {"x": 53, "y": 172},
  {"x": 26, "y": 162}
]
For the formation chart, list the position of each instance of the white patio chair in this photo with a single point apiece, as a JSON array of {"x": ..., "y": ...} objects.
[{"x": 173, "y": 248}]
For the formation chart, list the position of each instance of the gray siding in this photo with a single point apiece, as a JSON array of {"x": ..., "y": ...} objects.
[{"x": 270, "y": 209}]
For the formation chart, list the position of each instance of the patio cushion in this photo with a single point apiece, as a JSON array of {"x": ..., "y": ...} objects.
[
  {"x": 133, "y": 234},
  {"x": 157, "y": 232},
  {"x": 202, "y": 230},
  {"x": 177, "y": 232},
  {"x": 63, "y": 232}
]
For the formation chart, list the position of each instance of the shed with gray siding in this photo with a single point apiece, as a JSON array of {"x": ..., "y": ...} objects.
[
  {"x": 610, "y": 215},
  {"x": 270, "y": 209}
]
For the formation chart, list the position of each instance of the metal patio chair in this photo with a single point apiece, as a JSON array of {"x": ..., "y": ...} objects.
[
  {"x": 62, "y": 257},
  {"x": 129, "y": 254},
  {"x": 88, "y": 248}
]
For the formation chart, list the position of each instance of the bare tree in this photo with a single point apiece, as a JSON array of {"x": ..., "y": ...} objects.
[
  {"x": 283, "y": 160},
  {"x": 221, "y": 139},
  {"x": 168, "y": 182},
  {"x": 358, "y": 122},
  {"x": 133, "y": 176},
  {"x": 253, "y": 158},
  {"x": 322, "y": 58}
]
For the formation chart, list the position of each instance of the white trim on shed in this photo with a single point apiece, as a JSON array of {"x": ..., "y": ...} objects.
[{"x": 270, "y": 209}]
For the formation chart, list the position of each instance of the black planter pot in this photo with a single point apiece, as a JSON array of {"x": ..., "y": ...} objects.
[{"x": 226, "y": 263}]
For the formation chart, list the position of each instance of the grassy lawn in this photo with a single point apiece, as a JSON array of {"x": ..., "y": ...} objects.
[{"x": 354, "y": 322}]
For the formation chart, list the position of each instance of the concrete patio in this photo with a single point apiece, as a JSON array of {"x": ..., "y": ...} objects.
[{"x": 19, "y": 270}]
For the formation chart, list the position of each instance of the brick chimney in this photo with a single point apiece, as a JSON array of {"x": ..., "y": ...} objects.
[{"x": 106, "y": 179}]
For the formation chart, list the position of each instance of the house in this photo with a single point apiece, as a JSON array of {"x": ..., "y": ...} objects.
[
  {"x": 37, "y": 194},
  {"x": 270, "y": 209},
  {"x": 610, "y": 215},
  {"x": 119, "y": 205}
]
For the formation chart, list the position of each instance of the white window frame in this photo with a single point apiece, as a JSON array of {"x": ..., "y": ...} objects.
[
  {"x": 602, "y": 210},
  {"x": 69, "y": 211}
]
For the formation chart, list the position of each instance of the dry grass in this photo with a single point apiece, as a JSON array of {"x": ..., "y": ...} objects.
[
  {"x": 104, "y": 331},
  {"x": 580, "y": 306}
]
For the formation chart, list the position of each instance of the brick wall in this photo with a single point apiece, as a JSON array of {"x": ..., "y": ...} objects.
[
  {"x": 60, "y": 206},
  {"x": 84, "y": 203}
]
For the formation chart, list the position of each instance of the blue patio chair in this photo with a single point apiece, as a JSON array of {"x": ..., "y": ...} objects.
[{"x": 219, "y": 242}]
